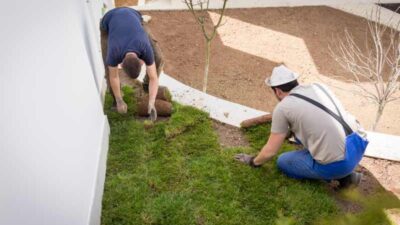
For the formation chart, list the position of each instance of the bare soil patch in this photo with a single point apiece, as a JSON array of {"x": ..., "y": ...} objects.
[
  {"x": 229, "y": 136},
  {"x": 253, "y": 41},
  {"x": 121, "y": 3}
]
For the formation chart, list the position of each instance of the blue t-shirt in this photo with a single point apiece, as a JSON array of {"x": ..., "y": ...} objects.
[{"x": 126, "y": 34}]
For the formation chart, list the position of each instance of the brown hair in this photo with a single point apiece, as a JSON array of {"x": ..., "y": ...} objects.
[
  {"x": 287, "y": 86},
  {"x": 131, "y": 65}
]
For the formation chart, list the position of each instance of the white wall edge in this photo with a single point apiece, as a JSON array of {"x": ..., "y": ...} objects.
[
  {"x": 103, "y": 91},
  {"x": 101, "y": 159}
]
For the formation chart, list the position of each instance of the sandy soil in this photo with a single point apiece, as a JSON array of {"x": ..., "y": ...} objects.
[
  {"x": 120, "y": 3},
  {"x": 252, "y": 41}
]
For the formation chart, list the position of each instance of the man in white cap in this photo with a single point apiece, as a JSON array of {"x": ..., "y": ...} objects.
[{"x": 333, "y": 140}]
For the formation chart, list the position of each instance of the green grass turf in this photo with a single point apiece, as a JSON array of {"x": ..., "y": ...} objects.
[{"x": 176, "y": 173}]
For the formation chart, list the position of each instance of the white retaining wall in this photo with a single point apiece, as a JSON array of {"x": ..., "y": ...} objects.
[{"x": 53, "y": 133}]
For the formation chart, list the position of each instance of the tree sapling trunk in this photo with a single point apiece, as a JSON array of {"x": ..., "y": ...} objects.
[
  {"x": 200, "y": 14},
  {"x": 207, "y": 65}
]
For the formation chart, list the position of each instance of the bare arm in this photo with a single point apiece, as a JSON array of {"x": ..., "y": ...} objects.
[
  {"x": 270, "y": 149},
  {"x": 114, "y": 82},
  {"x": 153, "y": 83},
  {"x": 116, "y": 89}
]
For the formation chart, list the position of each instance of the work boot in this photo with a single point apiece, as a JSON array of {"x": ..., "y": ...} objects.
[{"x": 352, "y": 179}]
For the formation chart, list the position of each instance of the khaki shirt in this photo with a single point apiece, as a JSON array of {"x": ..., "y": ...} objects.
[{"x": 318, "y": 131}]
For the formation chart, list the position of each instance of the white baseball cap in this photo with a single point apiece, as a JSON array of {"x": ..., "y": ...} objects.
[{"x": 280, "y": 75}]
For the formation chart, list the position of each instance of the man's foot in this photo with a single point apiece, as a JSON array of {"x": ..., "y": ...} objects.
[{"x": 352, "y": 180}]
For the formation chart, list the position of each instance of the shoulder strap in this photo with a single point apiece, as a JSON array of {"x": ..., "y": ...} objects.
[
  {"x": 330, "y": 97},
  {"x": 346, "y": 127}
]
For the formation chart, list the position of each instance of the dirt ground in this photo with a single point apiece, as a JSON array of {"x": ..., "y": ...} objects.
[
  {"x": 252, "y": 41},
  {"x": 127, "y": 3},
  {"x": 120, "y": 3},
  {"x": 229, "y": 136}
]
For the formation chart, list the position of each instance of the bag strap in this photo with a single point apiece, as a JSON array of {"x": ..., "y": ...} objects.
[
  {"x": 340, "y": 119},
  {"x": 330, "y": 97}
]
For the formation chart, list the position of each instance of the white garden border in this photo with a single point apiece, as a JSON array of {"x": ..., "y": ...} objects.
[{"x": 381, "y": 145}]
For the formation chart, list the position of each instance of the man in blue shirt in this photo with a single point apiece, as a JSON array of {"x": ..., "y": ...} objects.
[{"x": 126, "y": 41}]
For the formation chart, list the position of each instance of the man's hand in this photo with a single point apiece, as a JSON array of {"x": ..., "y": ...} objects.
[
  {"x": 122, "y": 107},
  {"x": 152, "y": 112},
  {"x": 153, "y": 88},
  {"x": 246, "y": 159}
]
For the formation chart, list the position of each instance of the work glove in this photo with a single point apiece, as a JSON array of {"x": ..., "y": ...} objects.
[
  {"x": 246, "y": 159},
  {"x": 152, "y": 112},
  {"x": 122, "y": 107}
]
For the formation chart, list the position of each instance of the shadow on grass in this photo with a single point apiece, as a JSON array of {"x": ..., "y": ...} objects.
[
  {"x": 177, "y": 173},
  {"x": 362, "y": 206}
]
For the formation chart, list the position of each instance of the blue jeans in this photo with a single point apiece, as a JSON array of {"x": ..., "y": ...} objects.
[{"x": 301, "y": 165}]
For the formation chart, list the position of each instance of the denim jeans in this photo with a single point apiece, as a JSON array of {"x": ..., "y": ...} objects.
[
  {"x": 301, "y": 165},
  {"x": 298, "y": 164}
]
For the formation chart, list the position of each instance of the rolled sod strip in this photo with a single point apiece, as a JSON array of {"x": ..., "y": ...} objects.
[
  {"x": 256, "y": 121},
  {"x": 164, "y": 94},
  {"x": 163, "y": 108}
]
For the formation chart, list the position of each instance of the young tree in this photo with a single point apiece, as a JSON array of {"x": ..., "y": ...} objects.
[
  {"x": 199, "y": 9},
  {"x": 377, "y": 63}
]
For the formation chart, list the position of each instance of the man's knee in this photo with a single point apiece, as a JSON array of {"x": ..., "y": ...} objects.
[
  {"x": 291, "y": 163},
  {"x": 284, "y": 161},
  {"x": 297, "y": 164}
]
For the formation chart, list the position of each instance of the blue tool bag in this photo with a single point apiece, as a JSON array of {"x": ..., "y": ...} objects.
[{"x": 355, "y": 145}]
